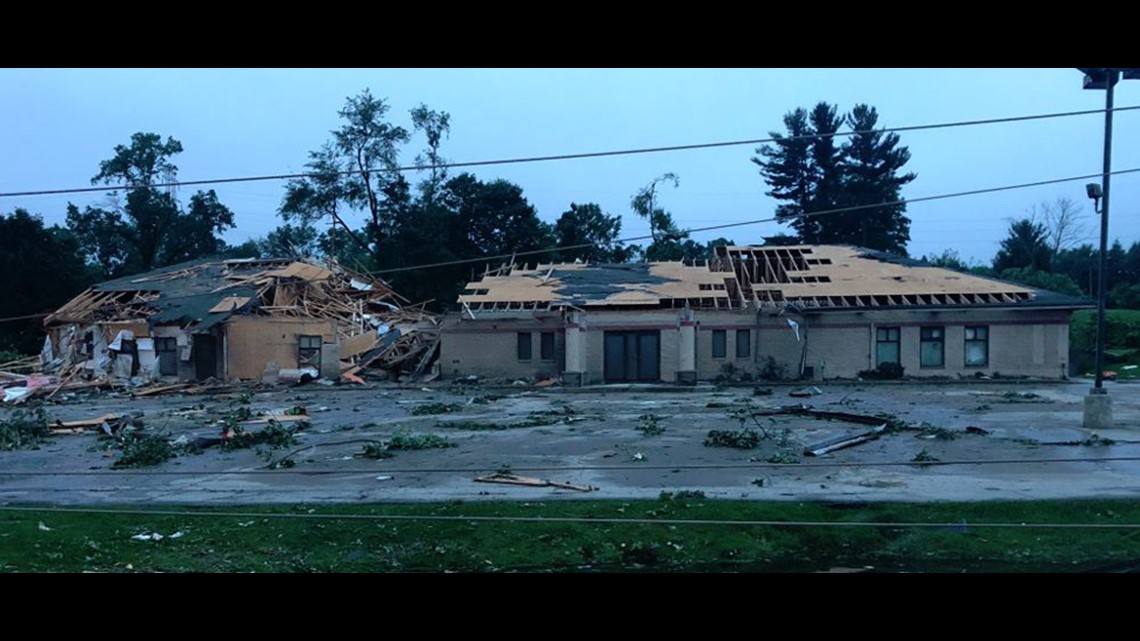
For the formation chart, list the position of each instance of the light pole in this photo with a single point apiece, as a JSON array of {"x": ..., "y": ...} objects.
[{"x": 1098, "y": 405}]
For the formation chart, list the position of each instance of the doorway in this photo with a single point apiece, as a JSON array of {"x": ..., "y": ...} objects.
[{"x": 632, "y": 356}]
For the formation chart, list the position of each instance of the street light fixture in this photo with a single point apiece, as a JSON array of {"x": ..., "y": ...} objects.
[{"x": 1098, "y": 406}]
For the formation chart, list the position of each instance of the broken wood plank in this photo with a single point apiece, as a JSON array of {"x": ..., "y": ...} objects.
[
  {"x": 163, "y": 388},
  {"x": 88, "y": 422},
  {"x": 514, "y": 479},
  {"x": 840, "y": 442}
]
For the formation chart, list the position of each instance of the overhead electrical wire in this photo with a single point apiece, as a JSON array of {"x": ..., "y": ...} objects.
[
  {"x": 838, "y": 210},
  {"x": 576, "y": 156}
]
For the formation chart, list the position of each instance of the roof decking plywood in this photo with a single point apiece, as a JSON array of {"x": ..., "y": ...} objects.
[
  {"x": 816, "y": 276},
  {"x": 644, "y": 284}
]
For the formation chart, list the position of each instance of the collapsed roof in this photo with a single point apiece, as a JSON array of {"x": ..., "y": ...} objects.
[
  {"x": 752, "y": 277},
  {"x": 373, "y": 325}
]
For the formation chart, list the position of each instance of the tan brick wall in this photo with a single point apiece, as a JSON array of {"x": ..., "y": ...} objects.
[
  {"x": 489, "y": 348},
  {"x": 1028, "y": 342}
]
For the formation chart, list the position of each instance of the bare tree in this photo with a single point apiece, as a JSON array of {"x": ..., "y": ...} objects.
[{"x": 1063, "y": 222}]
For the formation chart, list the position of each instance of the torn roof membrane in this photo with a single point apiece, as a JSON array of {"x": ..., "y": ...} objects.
[{"x": 754, "y": 276}]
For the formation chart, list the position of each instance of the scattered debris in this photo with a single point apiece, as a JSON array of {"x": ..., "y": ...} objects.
[
  {"x": 638, "y": 456},
  {"x": 784, "y": 457},
  {"x": 973, "y": 429},
  {"x": 376, "y": 451},
  {"x": 143, "y": 450},
  {"x": 431, "y": 409},
  {"x": 44, "y": 528},
  {"x": 841, "y": 442},
  {"x": 649, "y": 425},
  {"x": 924, "y": 457},
  {"x": 681, "y": 495},
  {"x": 762, "y": 391},
  {"x": 410, "y": 441},
  {"x": 24, "y": 428},
  {"x": 745, "y": 439},
  {"x": 804, "y": 392},
  {"x": 514, "y": 479}
]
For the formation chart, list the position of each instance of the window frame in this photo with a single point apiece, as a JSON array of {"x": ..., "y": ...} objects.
[
  {"x": 528, "y": 341},
  {"x": 546, "y": 339},
  {"x": 722, "y": 335},
  {"x": 746, "y": 334},
  {"x": 896, "y": 341},
  {"x": 941, "y": 341},
  {"x": 985, "y": 342}
]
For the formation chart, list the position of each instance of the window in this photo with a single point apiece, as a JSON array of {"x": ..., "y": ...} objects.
[
  {"x": 309, "y": 352},
  {"x": 932, "y": 347},
  {"x": 167, "y": 350},
  {"x": 720, "y": 342},
  {"x": 524, "y": 346},
  {"x": 886, "y": 345},
  {"x": 743, "y": 343},
  {"x": 977, "y": 346},
  {"x": 546, "y": 347}
]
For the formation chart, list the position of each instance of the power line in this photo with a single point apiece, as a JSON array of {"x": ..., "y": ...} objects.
[
  {"x": 839, "y": 210},
  {"x": 758, "y": 465},
  {"x": 564, "y": 519},
  {"x": 823, "y": 212},
  {"x": 579, "y": 156}
]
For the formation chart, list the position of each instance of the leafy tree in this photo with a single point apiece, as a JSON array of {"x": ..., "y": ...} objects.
[
  {"x": 1026, "y": 246},
  {"x": 949, "y": 259},
  {"x": 1030, "y": 277},
  {"x": 669, "y": 242},
  {"x": 495, "y": 217},
  {"x": 300, "y": 240},
  {"x": 587, "y": 224},
  {"x": 144, "y": 227},
  {"x": 782, "y": 240},
  {"x": 43, "y": 268}
]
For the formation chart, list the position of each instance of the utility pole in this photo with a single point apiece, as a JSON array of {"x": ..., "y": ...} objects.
[{"x": 1098, "y": 404}]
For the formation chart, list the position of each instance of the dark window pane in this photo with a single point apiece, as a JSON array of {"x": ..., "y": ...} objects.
[
  {"x": 743, "y": 343},
  {"x": 547, "y": 347},
  {"x": 719, "y": 341},
  {"x": 524, "y": 346}
]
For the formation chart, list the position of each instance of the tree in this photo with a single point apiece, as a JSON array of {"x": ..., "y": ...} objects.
[
  {"x": 787, "y": 167},
  {"x": 43, "y": 268},
  {"x": 1059, "y": 283},
  {"x": 144, "y": 227},
  {"x": 871, "y": 164},
  {"x": 667, "y": 237},
  {"x": 1062, "y": 221},
  {"x": 811, "y": 178},
  {"x": 782, "y": 240},
  {"x": 588, "y": 225},
  {"x": 288, "y": 241},
  {"x": 1026, "y": 246},
  {"x": 827, "y": 173},
  {"x": 948, "y": 259},
  {"x": 495, "y": 217}
]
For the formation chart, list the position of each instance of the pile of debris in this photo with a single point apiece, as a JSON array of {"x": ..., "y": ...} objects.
[{"x": 229, "y": 320}]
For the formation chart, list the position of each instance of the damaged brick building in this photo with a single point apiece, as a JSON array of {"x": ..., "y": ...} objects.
[
  {"x": 774, "y": 312},
  {"x": 227, "y": 320}
]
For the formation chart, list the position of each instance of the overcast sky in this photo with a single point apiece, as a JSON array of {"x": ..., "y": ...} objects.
[{"x": 59, "y": 124}]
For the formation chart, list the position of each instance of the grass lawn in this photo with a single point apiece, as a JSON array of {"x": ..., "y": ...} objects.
[{"x": 269, "y": 539}]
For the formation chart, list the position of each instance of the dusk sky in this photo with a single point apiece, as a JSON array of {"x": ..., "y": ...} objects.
[{"x": 241, "y": 122}]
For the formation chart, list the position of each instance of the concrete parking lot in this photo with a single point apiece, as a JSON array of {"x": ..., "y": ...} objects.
[{"x": 1026, "y": 443}]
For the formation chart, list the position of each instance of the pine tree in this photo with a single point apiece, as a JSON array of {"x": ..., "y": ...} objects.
[
  {"x": 871, "y": 164},
  {"x": 787, "y": 168}
]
